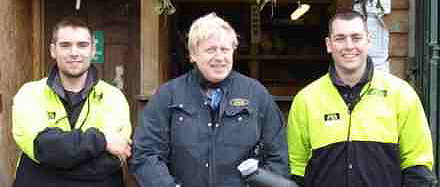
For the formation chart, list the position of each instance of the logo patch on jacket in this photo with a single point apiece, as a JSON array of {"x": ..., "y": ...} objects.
[
  {"x": 238, "y": 102},
  {"x": 332, "y": 119},
  {"x": 377, "y": 92},
  {"x": 51, "y": 115}
]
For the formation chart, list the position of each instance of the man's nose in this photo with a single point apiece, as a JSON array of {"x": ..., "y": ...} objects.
[
  {"x": 218, "y": 55},
  {"x": 349, "y": 43},
  {"x": 74, "y": 50}
]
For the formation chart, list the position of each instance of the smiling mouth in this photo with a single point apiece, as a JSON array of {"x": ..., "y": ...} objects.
[
  {"x": 350, "y": 55},
  {"x": 218, "y": 66}
]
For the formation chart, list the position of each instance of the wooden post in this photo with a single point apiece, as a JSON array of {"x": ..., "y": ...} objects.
[
  {"x": 16, "y": 68},
  {"x": 36, "y": 46},
  {"x": 149, "y": 49}
]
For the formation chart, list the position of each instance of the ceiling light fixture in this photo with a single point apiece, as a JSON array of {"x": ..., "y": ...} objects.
[
  {"x": 299, "y": 11},
  {"x": 78, "y": 4}
]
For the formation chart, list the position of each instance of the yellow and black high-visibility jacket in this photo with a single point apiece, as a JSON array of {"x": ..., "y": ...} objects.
[
  {"x": 386, "y": 132},
  {"x": 57, "y": 153}
]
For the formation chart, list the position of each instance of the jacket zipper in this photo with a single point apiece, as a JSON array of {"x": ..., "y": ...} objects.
[{"x": 349, "y": 151}]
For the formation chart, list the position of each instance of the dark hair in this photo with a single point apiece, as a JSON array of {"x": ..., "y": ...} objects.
[
  {"x": 70, "y": 21},
  {"x": 346, "y": 14}
]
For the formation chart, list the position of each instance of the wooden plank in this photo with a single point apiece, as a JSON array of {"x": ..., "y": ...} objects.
[
  {"x": 398, "y": 45},
  {"x": 163, "y": 49},
  {"x": 344, "y": 4},
  {"x": 398, "y": 66},
  {"x": 397, "y": 21},
  {"x": 399, "y": 4},
  {"x": 1, "y": 103},
  {"x": 16, "y": 68},
  {"x": 253, "y": 1},
  {"x": 36, "y": 45},
  {"x": 149, "y": 49}
]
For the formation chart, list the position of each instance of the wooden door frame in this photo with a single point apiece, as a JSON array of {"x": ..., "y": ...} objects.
[
  {"x": 37, "y": 44},
  {"x": 154, "y": 50}
]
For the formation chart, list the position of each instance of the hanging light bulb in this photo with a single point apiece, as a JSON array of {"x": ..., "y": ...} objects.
[
  {"x": 299, "y": 11},
  {"x": 78, "y": 4}
]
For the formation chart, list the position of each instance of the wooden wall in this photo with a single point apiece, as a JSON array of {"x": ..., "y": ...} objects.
[
  {"x": 15, "y": 69},
  {"x": 397, "y": 23}
]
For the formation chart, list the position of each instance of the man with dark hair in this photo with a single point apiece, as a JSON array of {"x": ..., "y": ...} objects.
[
  {"x": 357, "y": 126},
  {"x": 72, "y": 128}
]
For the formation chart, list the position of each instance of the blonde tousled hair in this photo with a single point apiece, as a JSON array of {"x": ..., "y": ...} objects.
[{"x": 205, "y": 26}]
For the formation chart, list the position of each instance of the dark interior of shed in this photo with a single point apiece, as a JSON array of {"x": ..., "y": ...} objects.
[{"x": 282, "y": 54}]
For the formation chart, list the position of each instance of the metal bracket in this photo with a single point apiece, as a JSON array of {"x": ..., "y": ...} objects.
[{"x": 435, "y": 47}]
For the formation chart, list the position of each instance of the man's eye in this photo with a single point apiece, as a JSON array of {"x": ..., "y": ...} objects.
[
  {"x": 225, "y": 49},
  {"x": 210, "y": 50},
  {"x": 357, "y": 38},
  {"x": 84, "y": 44},
  {"x": 339, "y": 39},
  {"x": 63, "y": 44}
]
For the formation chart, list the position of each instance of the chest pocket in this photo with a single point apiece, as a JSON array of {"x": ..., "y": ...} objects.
[
  {"x": 240, "y": 127},
  {"x": 184, "y": 129}
]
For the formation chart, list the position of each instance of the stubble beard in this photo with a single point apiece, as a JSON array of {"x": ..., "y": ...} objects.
[{"x": 70, "y": 75}]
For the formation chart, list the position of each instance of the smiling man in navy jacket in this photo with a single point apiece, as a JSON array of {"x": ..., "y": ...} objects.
[{"x": 198, "y": 128}]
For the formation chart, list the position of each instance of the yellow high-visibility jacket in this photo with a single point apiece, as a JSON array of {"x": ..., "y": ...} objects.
[
  {"x": 80, "y": 153},
  {"x": 386, "y": 132}
]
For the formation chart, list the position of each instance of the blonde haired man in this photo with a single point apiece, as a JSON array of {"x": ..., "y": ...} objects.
[{"x": 198, "y": 128}]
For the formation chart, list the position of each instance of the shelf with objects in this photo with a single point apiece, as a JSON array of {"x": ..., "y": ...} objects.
[{"x": 286, "y": 55}]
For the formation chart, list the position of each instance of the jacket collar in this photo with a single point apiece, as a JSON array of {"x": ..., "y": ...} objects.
[
  {"x": 204, "y": 83},
  {"x": 54, "y": 81},
  {"x": 366, "y": 77}
]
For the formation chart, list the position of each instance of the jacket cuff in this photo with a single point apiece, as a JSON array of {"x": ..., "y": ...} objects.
[{"x": 418, "y": 176}]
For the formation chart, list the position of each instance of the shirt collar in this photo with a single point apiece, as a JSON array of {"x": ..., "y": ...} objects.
[
  {"x": 204, "y": 83},
  {"x": 54, "y": 81}
]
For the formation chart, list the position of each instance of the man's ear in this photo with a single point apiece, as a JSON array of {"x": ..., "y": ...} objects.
[
  {"x": 192, "y": 58},
  {"x": 369, "y": 40},
  {"x": 93, "y": 51},
  {"x": 52, "y": 51},
  {"x": 327, "y": 45}
]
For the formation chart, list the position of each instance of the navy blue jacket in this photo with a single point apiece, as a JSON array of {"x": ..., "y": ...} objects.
[{"x": 178, "y": 141}]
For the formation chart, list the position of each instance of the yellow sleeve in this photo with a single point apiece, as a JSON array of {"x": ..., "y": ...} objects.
[
  {"x": 414, "y": 134},
  {"x": 298, "y": 137},
  {"x": 28, "y": 119},
  {"x": 117, "y": 116}
]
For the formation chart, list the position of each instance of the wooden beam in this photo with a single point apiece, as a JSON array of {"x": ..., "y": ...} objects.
[
  {"x": 36, "y": 46},
  {"x": 149, "y": 49},
  {"x": 344, "y": 4},
  {"x": 163, "y": 49},
  {"x": 254, "y": 1}
]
